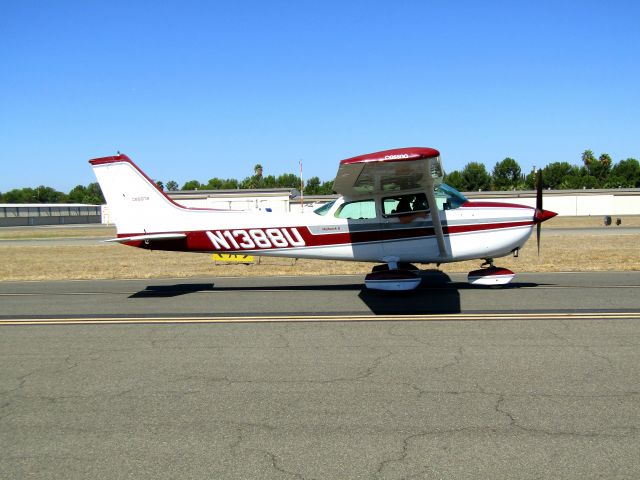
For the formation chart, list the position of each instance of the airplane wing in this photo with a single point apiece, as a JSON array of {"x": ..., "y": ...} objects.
[
  {"x": 389, "y": 170},
  {"x": 394, "y": 171}
]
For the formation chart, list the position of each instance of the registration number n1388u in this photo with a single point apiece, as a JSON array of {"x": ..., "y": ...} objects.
[{"x": 255, "y": 238}]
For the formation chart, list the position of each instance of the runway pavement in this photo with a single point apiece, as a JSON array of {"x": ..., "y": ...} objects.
[
  {"x": 302, "y": 296},
  {"x": 539, "y": 380}
]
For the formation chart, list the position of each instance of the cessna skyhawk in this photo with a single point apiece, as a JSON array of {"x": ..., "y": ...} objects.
[{"x": 393, "y": 209}]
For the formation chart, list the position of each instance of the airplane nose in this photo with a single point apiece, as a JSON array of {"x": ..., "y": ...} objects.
[{"x": 543, "y": 215}]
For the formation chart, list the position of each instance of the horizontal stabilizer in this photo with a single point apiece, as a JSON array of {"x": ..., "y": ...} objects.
[{"x": 152, "y": 236}]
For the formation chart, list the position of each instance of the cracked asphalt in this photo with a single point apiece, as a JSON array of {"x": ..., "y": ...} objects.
[{"x": 434, "y": 399}]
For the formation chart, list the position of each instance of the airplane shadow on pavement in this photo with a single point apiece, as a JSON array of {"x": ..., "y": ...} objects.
[
  {"x": 166, "y": 291},
  {"x": 437, "y": 293}
]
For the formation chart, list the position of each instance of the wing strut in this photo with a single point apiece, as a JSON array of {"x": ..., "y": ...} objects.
[{"x": 435, "y": 217}]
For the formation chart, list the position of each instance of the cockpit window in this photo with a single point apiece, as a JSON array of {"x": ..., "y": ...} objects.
[
  {"x": 402, "y": 204},
  {"x": 324, "y": 209},
  {"x": 448, "y": 197},
  {"x": 359, "y": 210}
]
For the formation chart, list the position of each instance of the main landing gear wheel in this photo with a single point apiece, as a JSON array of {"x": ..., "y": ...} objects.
[
  {"x": 489, "y": 274},
  {"x": 393, "y": 277}
]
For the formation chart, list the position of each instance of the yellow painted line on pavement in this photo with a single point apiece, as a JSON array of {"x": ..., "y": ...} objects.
[{"x": 318, "y": 318}]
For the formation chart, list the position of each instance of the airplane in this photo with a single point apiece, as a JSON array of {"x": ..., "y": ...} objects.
[{"x": 393, "y": 210}]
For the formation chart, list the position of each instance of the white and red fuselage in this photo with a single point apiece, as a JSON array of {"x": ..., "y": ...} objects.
[{"x": 147, "y": 218}]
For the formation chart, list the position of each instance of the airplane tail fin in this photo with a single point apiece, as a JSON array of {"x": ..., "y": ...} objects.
[{"x": 136, "y": 204}]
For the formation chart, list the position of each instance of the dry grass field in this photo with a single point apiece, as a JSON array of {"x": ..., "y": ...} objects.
[{"x": 559, "y": 252}]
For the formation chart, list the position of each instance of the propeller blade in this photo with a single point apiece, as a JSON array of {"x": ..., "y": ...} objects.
[
  {"x": 540, "y": 214},
  {"x": 538, "y": 207},
  {"x": 539, "y": 191}
]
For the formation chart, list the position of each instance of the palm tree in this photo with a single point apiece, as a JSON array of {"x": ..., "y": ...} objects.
[{"x": 258, "y": 170}]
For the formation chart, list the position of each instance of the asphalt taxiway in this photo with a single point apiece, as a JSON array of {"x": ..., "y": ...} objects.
[
  {"x": 314, "y": 377},
  {"x": 275, "y": 297}
]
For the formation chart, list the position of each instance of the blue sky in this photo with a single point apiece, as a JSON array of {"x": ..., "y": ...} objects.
[{"x": 193, "y": 90}]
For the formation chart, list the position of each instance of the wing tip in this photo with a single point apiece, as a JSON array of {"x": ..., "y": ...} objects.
[{"x": 394, "y": 155}]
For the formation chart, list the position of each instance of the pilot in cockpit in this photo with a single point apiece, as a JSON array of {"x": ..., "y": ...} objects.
[
  {"x": 411, "y": 207},
  {"x": 404, "y": 205}
]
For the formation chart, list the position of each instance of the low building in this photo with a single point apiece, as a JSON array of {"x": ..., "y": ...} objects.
[
  {"x": 267, "y": 199},
  {"x": 572, "y": 203},
  {"x": 24, "y": 214}
]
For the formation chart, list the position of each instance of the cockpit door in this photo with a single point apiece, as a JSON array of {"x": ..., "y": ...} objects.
[{"x": 362, "y": 218}]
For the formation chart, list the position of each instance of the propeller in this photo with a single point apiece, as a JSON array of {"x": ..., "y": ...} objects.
[
  {"x": 538, "y": 207},
  {"x": 541, "y": 215}
]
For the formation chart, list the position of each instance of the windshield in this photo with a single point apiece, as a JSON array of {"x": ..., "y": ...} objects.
[
  {"x": 448, "y": 197},
  {"x": 322, "y": 210}
]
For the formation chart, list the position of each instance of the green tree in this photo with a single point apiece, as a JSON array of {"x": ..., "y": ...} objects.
[
  {"x": 222, "y": 184},
  {"x": 615, "y": 181},
  {"x": 575, "y": 179},
  {"x": 19, "y": 195},
  {"x": 269, "y": 181},
  {"x": 530, "y": 180},
  {"x": 77, "y": 194},
  {"x": 598, "y": 168},
  {"x": 160, "y": 184},
  {"x": 587, "y": 181},
  {"x": 628, "y": 171},
  {"x": 192, "y": 185},
  {"x": 554, "y": 174},
  {"x": 588, "y": 157},
  {"x": 249, "y": 183},
  {"x": 605, "y": 161},
  {"x": 254, "y": 181},
  {"x": 215, "y": 183},
  {"x": 231, "y": 184},
  {"x": 326, "y": 188},
  {"x": 312, "y": 186},
  {"x": 91, "y": 194},
  {"x": 172, "y": 185},
  {"x": 44, "y": 194},
  {"x": 287, "y": 180},
  {"x": 506, "y": 174},
  {"x": 94, "y": 194},
  {"x": 476, "y": 177},
  {"x": 455, "y": 180},
  {"x": 601, "y": 168}
]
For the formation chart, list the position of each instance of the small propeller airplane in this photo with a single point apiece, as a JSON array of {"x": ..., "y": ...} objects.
[{"x": 393, "y": 209}]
